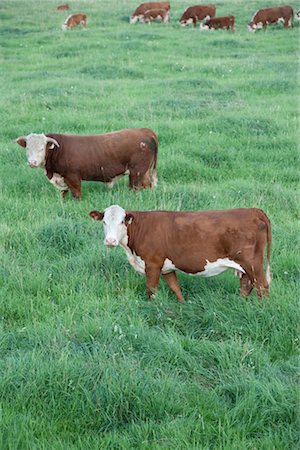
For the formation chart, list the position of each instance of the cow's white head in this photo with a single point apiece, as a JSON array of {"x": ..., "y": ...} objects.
[
  {"x": 133, "y": 19},
  {"x": 203, "y": 27},
  {"x": 115, "y": 221},
  {"x": 36, "y": 146},
  {"x": 252, "y": 27}
]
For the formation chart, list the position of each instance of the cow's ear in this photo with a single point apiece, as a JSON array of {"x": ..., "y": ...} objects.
[
  {"x": 128, "y": 219},
  {"x": 96, "y": 215},
  {"x": 21, "y": 141}
]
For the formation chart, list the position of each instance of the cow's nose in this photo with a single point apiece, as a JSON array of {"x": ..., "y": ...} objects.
[
  {"x": 111, "y": 242},
  {"x": 32, "y": 163}
]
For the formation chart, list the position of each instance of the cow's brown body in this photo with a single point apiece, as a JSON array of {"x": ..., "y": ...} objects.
[
  {"x": 198, "y": 12},
  {"x": 156, "y": 14},
  {"x": 63, "y": 7},
  {"x": 197, "y": 243},
  {"x": 269, "y": 16},
  {"x": 104, "y": 158},
  {"x": 219, "y": 23},
  {"x": 148, "y": 6},
  {"x": 73, "y": 20}
]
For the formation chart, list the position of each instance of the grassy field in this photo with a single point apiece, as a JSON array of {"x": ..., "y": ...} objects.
[{"x": 86, "y": 361}]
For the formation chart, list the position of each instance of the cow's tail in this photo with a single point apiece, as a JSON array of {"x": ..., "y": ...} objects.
[
  {"x": 269, "y": 241},
  {"x": 154, "y": 148}
]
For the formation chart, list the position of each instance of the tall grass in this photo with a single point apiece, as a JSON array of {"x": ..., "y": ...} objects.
[{"x": 86, "y": 361}]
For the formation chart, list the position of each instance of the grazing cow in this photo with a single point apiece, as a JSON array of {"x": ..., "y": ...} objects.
[
  {"x": 69, "y": 159},
  {"x": 138, "y": 14},
  {"x": 269, "y": 16},
  {"x": 63, "y": 7},
  {"x": 73, "y": 20},
  {"x": 155, "y": 14},
  {"x": 217, "y": 23},
  {"x": 298, "y": 15},
  {"x": 198, "y": 12},
  {"x": 203, "y": 243}
]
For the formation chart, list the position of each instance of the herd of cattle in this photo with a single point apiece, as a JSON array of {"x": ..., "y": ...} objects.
[
  {"x": 205, "y": 14},
  {"x": 156, "y": 243}
]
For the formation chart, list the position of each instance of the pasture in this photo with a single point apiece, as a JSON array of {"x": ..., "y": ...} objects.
[{"x": 86, "y": 361}]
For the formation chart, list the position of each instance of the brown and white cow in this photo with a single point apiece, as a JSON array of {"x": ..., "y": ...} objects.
[
  {"x": 68, "y": 159},
  {"x": 138, "y": 14},
  {"x": 155, "y": 14},
  {"x": 198, "y": 12},
  {"x": 218, "y": 23},
  {"x": 63, "y": 7},
  {"x": 269, "y": 16},
  {"x": 73, "y": 20},
  {"x": 203, "y": 243}
]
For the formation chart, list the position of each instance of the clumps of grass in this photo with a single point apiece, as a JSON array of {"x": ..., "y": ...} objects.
[{"x": 61, "y": 235}]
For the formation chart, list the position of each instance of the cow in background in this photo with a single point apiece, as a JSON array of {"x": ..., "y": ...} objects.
[
  {"x": 218, "y": 23},
  {"x": 148, "y": 6},
  {"x": 73, "y": 20},
  {"x": 269, "y": 16},
  {"x": 198, "y": 12},
  {"x": 155, "y": 14},
  {"x": 63, "y": 7}
]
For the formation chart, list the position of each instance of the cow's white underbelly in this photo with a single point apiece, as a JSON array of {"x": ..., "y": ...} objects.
[
  {"x": 59, "y": 182},
  {"x": 112, "y": 182},
  {"x": 210, "y": 269}
]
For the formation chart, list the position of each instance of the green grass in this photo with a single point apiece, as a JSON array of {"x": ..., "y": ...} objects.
[{"x": 86, "y": 360}]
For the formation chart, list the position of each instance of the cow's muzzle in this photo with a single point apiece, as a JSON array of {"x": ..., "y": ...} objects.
[
  {"x": 110, "y": 242},
  {"x": 33, "y": 164}
]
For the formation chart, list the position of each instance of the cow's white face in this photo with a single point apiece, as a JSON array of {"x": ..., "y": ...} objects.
[
  {"x": 133, "y": 19},
  {"x": 36, "y": 146},
  {"x": 251, "y": 27},
  {"x": 115, "y": 221},
  {"x": 203, "y": 27}
]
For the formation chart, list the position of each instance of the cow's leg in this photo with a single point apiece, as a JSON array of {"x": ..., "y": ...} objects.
[
  {"x": 287, "y": 23},
  {"x": 135, "y": 180},
  {"x": 172, "y": 280},
  {"x": 255, "y": 272},
  {"x": 64, "y": 193},
  {"x": 194, "y": 22},
  {"x": 260, "y": 281},
  {"x": 246, "y": 285},
  {"x": 152, "y": 278},
  {"x": 74, "y": 185}
]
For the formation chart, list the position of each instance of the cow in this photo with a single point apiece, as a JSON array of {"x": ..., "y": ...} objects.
[
  {"x": 144, "y": 7},
  {"x": 217, "y": 23},
  {"x": 298, "y": 15},
  {"x": 155, "y": 14},
  {"x": 203, "y": 243},
  {"x": 68, "y": 159},
  {"x": 73, "y": 20},
  {"x": 269, "y": 16},
  {"x": 198, "y": 12},
  {"x": 63, "y": 7}
]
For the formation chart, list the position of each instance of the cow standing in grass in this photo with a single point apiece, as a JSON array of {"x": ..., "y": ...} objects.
[
  {"x": 269, "y": 16},
  {"x": 198, "y": 12},
  {"x": 155, "y": 14},
  {"x": 73, "y": 20},
  {"x": 218, "y": 23},
  {"x": 68, "y": 159},
  {"x": 203, "y": 243},
  {"x": 138, "y": 14}
]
